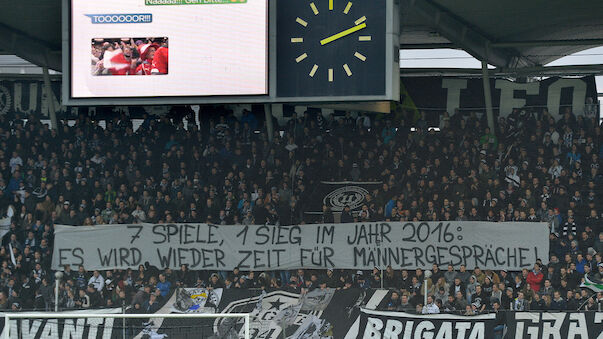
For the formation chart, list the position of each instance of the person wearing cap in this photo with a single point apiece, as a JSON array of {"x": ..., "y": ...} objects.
[
  {"x": 361, "y": 281},
  {"x": 214, "y": 281},
  {"x": 147, "y": 53}
]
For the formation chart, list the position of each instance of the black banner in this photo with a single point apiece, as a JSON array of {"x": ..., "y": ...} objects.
[
  {"x": 448, "y": 94},
  {"x": 337, "y": 195},
  {"x": 317, "y": 314},
  {"x": 536, "y": 325},
  {"x": 29, "y": 97},
  {"x": 376, "y": 324},
  {"x": 532, "y": 325}
]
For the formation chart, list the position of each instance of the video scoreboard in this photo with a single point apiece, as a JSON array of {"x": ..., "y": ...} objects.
[{"x": 229, "y": 51}]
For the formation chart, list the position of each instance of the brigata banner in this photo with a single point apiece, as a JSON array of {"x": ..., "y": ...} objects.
[
  {"x": 511, "y": 246},
  {"x": 536, "y": 325},
  {"x": 377, "y": 324},
  {"x": 533, "y": 325}
]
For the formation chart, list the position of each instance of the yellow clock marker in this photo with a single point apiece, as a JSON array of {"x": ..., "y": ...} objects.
[
  {"x": 361, "y": 20},
  {"x": 314, "y": 9},
  {"x": 313, "y": 71},
  {"x": 364, "y": 38},
  {"x": 301, "y": 22},
  {"x": 347, "y": 8},
  {"x": 301, "y": 57},
  {"x": 347, "y": 70},
  {"x": 360, "y": 56},
  {"x": 330, "y": 5},
  {"x": 330, "y": 75},
  {"x": 342, "y": 34},
  {"x": 296, "y": 40}
]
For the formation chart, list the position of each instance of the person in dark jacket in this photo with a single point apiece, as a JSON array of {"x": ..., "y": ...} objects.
[
  {"x": 501, "y": 320},
  {"x": 558, "y": 304},
  {"x": 457, "y": 286},
  {"x": 537, "y": 303},
  {"x": 346, "y": 215},
  {"x": 151, "y": 305}
]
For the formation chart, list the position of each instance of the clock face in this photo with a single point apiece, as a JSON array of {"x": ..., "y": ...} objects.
[{"x": 331, "y": 47}]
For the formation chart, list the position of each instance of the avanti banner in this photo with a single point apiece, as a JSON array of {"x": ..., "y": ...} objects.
[
  {"x": 75, "y": 327},
  {"x": 263, "y": 248}
]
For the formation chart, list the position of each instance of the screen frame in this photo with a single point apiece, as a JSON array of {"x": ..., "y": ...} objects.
[{"x": 392, "y": 86}]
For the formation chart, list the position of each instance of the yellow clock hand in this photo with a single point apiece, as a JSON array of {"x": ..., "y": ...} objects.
[{"x": 342, "y": 34}]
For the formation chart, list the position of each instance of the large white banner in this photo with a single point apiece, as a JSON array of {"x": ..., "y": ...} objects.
[{"x": 512, "y": 246}]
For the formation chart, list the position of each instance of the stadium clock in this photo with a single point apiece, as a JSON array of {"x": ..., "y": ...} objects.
[{"x": 331, "y": 47}]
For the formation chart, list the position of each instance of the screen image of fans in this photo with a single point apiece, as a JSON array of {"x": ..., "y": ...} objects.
[
  {"x": 216, "y": 48},
  {"x": 133, "y": 56}
]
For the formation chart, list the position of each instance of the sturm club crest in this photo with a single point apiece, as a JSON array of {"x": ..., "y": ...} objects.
[{"x": 352, "y": 196}]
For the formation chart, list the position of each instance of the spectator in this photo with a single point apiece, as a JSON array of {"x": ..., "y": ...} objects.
[
  {"x": 430, "y": 307},
  {"x": 520, "y": 303},
  {"x": 500, "y": 320},
  {"x": 558, "y": 304},
  {"x": 163, "y": 285},
  {"x": 97, "y": 281},
  {"x": 535, "y": 278},
  {"x": 150, "y": 306}
]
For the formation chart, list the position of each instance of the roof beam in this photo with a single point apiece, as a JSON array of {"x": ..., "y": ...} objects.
[
  {"x": 429, "y": 46},
  {"x": 35, "y": 51},
  {"x": 596, "y": 69},
  {"x": 459, "y": 32},
  {"x": 547, "y": 43}
]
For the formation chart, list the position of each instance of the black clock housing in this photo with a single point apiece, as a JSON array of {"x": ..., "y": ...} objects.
[{"x": 367, "y": 77}]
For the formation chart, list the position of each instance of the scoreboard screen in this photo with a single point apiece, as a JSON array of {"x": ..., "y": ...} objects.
[
  {"x": 148, "y": 52},
  {"x": 163, "y": 48}
]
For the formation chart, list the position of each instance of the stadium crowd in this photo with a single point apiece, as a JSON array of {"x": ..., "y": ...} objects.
[{"x": 533, "y": 167}]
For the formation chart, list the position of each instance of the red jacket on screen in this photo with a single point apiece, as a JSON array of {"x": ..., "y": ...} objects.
[{"x": 160, "y": 61}]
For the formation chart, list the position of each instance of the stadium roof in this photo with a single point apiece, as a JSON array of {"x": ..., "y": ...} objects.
[{"x": 507, "y": 34}]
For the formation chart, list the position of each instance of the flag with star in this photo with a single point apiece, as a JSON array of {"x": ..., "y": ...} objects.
[{"x": 287, "y": 316}]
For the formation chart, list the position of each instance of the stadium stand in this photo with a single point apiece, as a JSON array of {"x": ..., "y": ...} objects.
[{"x": 225, "y": 171}]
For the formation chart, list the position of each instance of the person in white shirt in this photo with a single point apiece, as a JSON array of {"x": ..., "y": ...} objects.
[
  {"x": 14, "y": 162},
  {"x": 431, "y": 307},
  {"x": 97, "y": 281}
]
